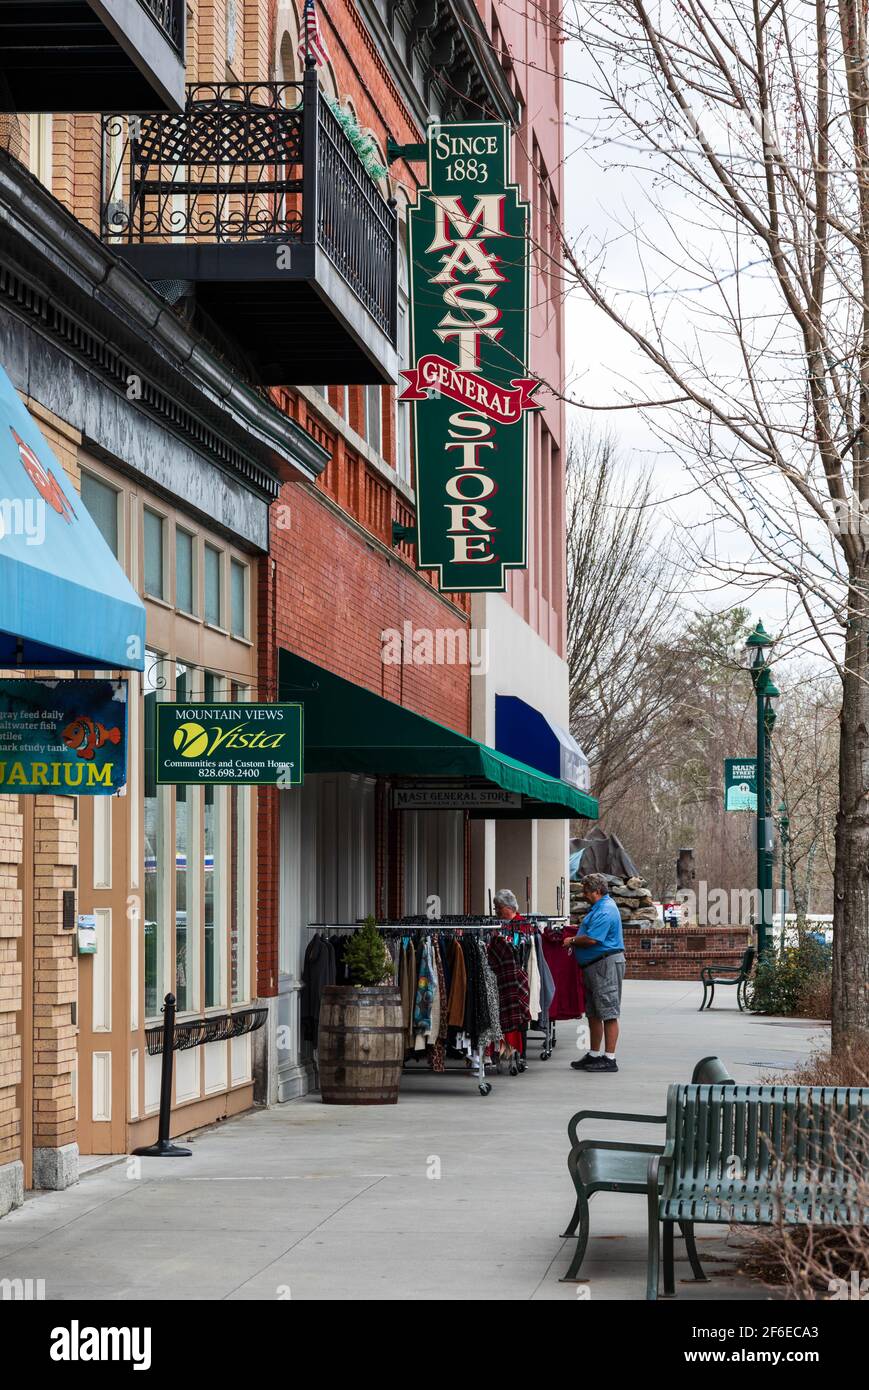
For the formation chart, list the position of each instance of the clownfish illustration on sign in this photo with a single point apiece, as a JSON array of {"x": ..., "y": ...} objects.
[
  {"x": 43, "y": 480},
  {"x": 84, "y": 736}
]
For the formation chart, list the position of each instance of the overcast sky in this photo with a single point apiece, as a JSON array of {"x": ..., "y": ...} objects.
[{"x": 602, "y": 363}]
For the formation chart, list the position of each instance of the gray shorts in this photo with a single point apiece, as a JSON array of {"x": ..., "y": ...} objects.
[{"x": 603, "y": 986}]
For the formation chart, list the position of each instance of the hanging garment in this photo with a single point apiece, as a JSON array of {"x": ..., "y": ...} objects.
[
  {"x": 339, "y": 946},
  {"x": 547, "y": 984},
  {"x": 318, "y": 971},
  {"x": 445, "y": 948},
  {"x": 512, "y": 986},
  {"x": 493, "y": 1033},
  {"x": 394, "y": 951},
  {"x": 436, "y": 991},
  {"x": 569, "y": 1000},
  {"x": 477, "y": 1016},
  {"x": 439, "y": 1033},
  {"x": 407, "y": 983},
  {"x": 412, "y": 982},
  {"x": 458, "y": 986},
  {"x": 425, "y": 990},
  {"x": 533, "y": 980}
]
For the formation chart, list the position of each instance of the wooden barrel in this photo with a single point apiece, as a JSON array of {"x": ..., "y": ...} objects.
[{"x": 361, "y": 1045}]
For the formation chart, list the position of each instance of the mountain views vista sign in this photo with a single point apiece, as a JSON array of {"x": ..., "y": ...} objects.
[{"x": 469, "y": 257}]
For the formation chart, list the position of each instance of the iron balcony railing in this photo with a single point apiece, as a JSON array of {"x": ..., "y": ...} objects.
[
  {"x": 253, "y": 162},
  {"x": 169, "y": 15}
]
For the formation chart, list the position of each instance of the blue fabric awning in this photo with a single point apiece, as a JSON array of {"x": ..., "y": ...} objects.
[
  {"x": 524, "y": 733},
  {"x": 65, "y": 602}
]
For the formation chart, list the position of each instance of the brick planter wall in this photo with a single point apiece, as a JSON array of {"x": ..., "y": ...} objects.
[{"x": 677, "y": 953}]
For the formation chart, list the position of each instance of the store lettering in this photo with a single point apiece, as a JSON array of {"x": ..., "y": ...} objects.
[
  {"x": 237, "y": 738},
  {"x": 469, "y": 485},
  {"x": 57, "y": 774}
]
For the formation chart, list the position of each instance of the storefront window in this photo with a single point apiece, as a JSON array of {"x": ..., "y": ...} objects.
[
  {"x": 373, "y": 422},
  {"x": 102, "y": 503},
  {"x": 155, "y": 819},
  {"x": 153, "y": 549},
  {"x": 402, "y": 411},
  {"x": 238, "y": 573},
  {"x": 184, "y": 571},
  {"x": 213, "y": 610},
  {"x": 185, "y": 875},
  {"x": 213, "y": 918},
  {"x": 239, "y": 897}
]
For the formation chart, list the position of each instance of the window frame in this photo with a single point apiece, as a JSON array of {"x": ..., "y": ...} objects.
[
  {"x": 149, "y": 510},
  {"x": 218, "y": 626},
  {"x": 193, "y": 611},
  {"x": 236, "y": 564},
  {"x": 86, "y": 471}
]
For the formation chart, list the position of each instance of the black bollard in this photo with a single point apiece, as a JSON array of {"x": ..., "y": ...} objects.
[{"x": 164, "y": 1148}]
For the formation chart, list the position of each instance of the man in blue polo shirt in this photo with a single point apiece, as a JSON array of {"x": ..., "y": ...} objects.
[{"x": 600, "y": 949}]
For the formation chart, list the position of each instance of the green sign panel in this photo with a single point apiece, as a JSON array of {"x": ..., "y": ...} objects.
[
  {"x": 469, "y": 256},
  {"x": 66, "y": 737},
  {"x": 740, "y": 784},
  {"x": 230, "y": 744}
]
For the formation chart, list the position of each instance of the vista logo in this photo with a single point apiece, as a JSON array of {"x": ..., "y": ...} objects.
[
  {"x": 190, "y": 740},
  {"x": 76, "y": 1343}
]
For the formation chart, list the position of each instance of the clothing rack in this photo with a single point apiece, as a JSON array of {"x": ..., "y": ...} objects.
[{"x": 473, "y": 925}]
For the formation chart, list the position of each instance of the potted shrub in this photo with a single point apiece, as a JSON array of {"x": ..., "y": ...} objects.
[{"x": 361, "y": 1036}]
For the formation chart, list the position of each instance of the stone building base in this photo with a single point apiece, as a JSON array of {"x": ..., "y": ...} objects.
[
  {"x": 55, "y": 1169},
  {"x": 11, "y": 1186}
]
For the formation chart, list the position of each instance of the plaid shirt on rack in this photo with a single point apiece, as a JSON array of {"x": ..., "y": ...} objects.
[{"x": 513, "y": 992}]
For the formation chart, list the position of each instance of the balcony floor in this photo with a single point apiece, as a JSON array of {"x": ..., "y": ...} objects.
[
  {"x": 301, "y": 325},
  {"x": 65, "y": 55}
]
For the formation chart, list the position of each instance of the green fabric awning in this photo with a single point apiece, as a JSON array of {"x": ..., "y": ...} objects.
[{"x": 350, "y": 729}]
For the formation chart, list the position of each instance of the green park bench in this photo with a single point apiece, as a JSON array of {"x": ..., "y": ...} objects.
[
  {"x": 609, "y": 1165},
  {"x": 755, "y": 1156},
  {"x": 739, "y": 975}
]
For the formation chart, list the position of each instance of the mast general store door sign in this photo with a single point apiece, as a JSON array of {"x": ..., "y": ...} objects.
[{"x": 469, "y": 259}]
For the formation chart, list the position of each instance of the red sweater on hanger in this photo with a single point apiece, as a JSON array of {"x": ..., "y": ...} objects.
[{"x": 569, "y": 1001}]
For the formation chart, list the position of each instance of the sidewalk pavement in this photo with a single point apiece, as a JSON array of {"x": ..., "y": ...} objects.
[{"x": 447, "y": 1195}]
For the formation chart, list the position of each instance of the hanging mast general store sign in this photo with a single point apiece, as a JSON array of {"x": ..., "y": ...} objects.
[
  {"x": 469, "y": 256},
  {"x": 230, "y": 744}
]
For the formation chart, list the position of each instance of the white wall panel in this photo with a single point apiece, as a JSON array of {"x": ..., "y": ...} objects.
[
  {"x": 101, "y": 1103},
  {"x": 102, "y": 868},
  {"x": 215, "y": 1067},
  {"x": 187, "y": 1075},
  {"x": 101, "y": 1004}
]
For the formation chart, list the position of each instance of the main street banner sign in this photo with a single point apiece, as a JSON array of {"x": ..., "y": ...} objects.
[{"x": 469, "y": 256}]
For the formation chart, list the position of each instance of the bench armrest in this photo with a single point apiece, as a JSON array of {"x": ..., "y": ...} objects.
[
  {"x": 657, "y": 1166},
  {"x": 609, "y": 1115}
]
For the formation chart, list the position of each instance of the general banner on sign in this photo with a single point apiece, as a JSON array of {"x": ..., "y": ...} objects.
[
  {"x": 469, "y": 255},
  {"x": 230, "y": 744},
  {"x": 68, "y": 737},
  {"x": 740, "y": 784}
]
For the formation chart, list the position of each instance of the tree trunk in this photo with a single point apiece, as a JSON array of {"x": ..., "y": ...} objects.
[{"x": 851, "y": 880}]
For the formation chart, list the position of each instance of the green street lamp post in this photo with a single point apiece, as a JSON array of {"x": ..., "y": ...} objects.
[
  {"x": 767, "y": 695},
  {"x": 783, "y": 838}
]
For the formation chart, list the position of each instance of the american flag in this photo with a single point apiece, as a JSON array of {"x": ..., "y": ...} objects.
[{"x": 312, "y": 41}]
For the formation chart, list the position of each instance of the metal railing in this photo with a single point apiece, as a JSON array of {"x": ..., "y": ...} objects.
[
  {"x": 355, "y": 227},
  {"x": 245, "y": 162},
  {"x": 169, "y": 15}
]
